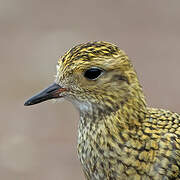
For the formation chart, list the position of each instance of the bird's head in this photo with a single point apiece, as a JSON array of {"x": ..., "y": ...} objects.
[{"x": 95, "y": 74}]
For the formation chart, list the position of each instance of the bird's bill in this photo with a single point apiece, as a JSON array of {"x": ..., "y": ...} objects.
[{"x": 52, "y": 92}]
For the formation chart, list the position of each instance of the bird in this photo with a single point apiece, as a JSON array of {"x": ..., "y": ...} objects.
[{"x": 119, "y": 136}]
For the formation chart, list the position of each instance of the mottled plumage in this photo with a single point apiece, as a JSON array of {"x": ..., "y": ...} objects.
[{"x": 119, "y": 137}]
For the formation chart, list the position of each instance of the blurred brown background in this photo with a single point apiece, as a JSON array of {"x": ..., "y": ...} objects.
[{"x": 39, "y": 142}]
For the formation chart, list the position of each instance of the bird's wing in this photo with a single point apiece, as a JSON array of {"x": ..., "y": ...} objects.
[{"x": 167, "y": 164}]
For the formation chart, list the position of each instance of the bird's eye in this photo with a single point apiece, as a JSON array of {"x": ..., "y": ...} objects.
[{"x": 93, "y": 73}]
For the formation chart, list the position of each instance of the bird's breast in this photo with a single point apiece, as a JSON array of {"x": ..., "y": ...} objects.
[{"x": 91, "y": 150}]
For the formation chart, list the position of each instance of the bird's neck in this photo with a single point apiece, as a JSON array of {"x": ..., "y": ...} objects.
[
  {"x": 105, "y": 134},
  {"x": 122, "y": 115},
  {"x": 126, "y": 116}
]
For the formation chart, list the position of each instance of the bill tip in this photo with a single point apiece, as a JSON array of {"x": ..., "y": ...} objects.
[{"x": 27, "y": 103}]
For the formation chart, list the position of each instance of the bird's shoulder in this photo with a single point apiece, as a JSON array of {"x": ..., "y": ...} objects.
[
  {"x": 165, "y": 129},
  {"x": 164, "y": 120}
]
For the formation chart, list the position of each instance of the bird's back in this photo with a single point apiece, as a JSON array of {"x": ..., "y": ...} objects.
[{"x": 162, "y": 126}]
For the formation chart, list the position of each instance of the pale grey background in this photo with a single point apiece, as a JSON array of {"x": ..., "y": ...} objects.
[{"x": 39, "y": 142}]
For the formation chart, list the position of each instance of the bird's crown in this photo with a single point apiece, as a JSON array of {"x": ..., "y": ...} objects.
[
  {"x": 89, "y": 52},
  {"x": 99, "y": 54}
]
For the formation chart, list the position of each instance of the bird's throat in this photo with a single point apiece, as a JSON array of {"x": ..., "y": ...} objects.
[{"x": 129, "y": 114}]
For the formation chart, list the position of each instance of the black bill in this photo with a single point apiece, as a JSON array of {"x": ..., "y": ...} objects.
[{"x": 52, "y": 92}]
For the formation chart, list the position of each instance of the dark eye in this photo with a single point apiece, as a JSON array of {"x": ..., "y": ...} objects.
[{"x": 93, "y": 73}]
